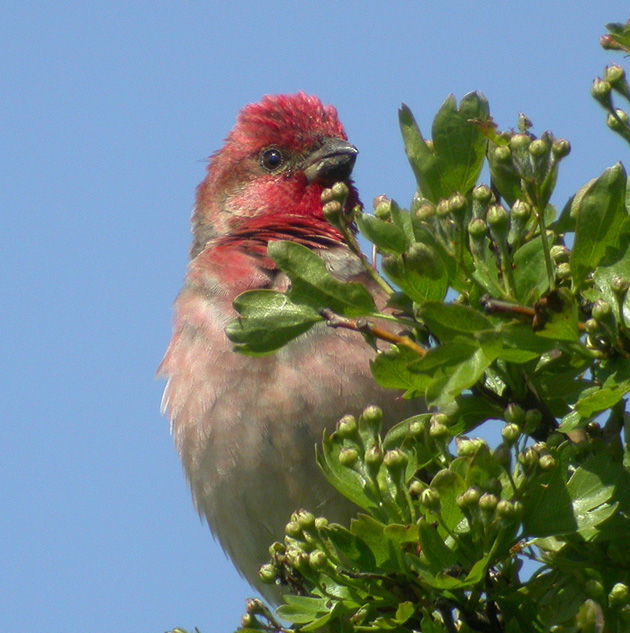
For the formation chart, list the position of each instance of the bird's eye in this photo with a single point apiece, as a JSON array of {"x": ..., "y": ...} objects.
[{"x": 271, "y": 158}]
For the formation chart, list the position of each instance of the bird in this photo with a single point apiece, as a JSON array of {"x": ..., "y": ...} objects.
[{"x": 245, "y": 427}]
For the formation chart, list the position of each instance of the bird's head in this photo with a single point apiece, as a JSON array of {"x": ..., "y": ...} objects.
[{"x": 268, "y": 177}]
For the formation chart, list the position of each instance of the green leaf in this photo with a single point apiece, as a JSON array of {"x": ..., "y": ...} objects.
[
  {"x": 450, "y": 485},
  {"x": 447, "y": 321},
  {"x": 601, "y": 400},
  {"x": 454, "y": 163},
  {"x": 268, "y": 321},
  {"x": 387, "y": 237},
  {"x": 530, "y": 272},
  {"x": 314, "y": 286},
  {"x": 302, "y": 609},
  {"x": 562, "y": 319},
  {"x": 391, "y": 370},
  {"x": 599, "y": 216},
  {"x": 351, "y": 549},
  {"x": 419, "y": 272},
  {"x": 437, "y": 554}
]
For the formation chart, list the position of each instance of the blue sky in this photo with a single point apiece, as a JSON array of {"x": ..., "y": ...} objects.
[{"x": 109, "y": 111}]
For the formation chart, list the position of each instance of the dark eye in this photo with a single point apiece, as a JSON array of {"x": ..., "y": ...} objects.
[{"x": 271, "y": 158}]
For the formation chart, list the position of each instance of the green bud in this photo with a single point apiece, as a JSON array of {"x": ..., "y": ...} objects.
[
  {"x": 347, "y": 426},
  {"x": 600, "y": 90},
  {"x": 618, "y": 123},
  {"x": 416, "y": 429},
  {"x": 561, "y": 148},
  {"x": 374, "y": 457},
  {"x": 482, "y": 193},
  {"x": 521, "y": 211},
  {"x": 276, "y": 549},
  {"x": 498, "y": 221},
  {"x": 395, "y": 460},
  {"x": 560, "y": 254},
  {"x": 469, "y": 498},
  {"x": 317, "y": 560},
  {"x": 624, "y": 613},
  {"x": 528, "y": 458},
  {"x": 511, "y": 432},
  {"x": 506, "y": 510},
  {"x": 602, "y": 310},
  {"x": 293, "y": 530},
  {"x": 502, "y": 154},
  {"x": 477, "y": 228},
  {"x": 333, "y": 211},
  {"x": 519, "y": 142},
  {"x": 267, "y": 574},
  {"x": 538, "y": 148},
  {"x": 348, "y": 457},
  {"x": 514, "y": 414},
  {"x": 327, "y": 195},
  {"x": 555, "y": 439},
  {"x": 468, "y": 447},
  {"x": 458, "y": 205},
  {"x": 340, "y": 192},
  {"x": 321, "y": 523},
  {"x": 382, "y": 207},
  {"x": 488, "y": 502},
  {"x": 425, "y": 211},
  {"x": 430, "y": 498},
  {"x": 547, "y": 462},
  {"x": 619, "y": 286},
  {"x": 443, "y": 209},
  {"x": 305, "y": 519},
  {"x": 563, "y": 271},
  {"x": 415, "y": 488},
  {"x": 438, "y": 430},
  {"x": 619, "y": 595},
  {"x": 372, "y": 417}
]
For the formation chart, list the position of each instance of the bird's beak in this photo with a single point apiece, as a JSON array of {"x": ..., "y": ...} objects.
[{"x": 332, "y": 162}]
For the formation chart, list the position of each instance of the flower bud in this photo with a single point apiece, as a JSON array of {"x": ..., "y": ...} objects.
[
  {"x": 506, "y": 510},
  {"x": 267, "y": 574},
  {"x": 482, "y": 194},
  {"x": 305, "y": 519},
  {"x": 594, "y": 589},
  {"x": 395, "y": 460},
  {"x": 443, "y": 209},
  {"x": 468, "y": 447},
  {"x": 502, "y": 154},
  {"x": 457, "y": 205},
  {"x": 561, "y": 148},
  {"x": 469, "y": 498},
  {"x": 340, "y": 192},
  {"x": 425, "y": 211},
  {"x": 521, "y": 211},
  {"x": 619, "y": 595},
  {"x": 332, "y": 211},
  {"x": 614, "y": 73},
  {"x": 503, "y": 455},
  {"x": 382, "y": 207},
  {"x": 511, "y": 432},
  {"x": 317, "y": 560},
  {"x": 513, "y": 413},
  {"x": 374, "y": 457},
  {"x": 372, "y": 417},
  {"x": 592, "y": 326},
  {"x": 618, "y": 123},
  {"x": 438, "y": 428},
  {"x": 416, "y": 429},
  {"x": 321, "y": 523},
  {"x": 347, "y": 426},
  {"x": 488, "y": 502},
  {"x": 477, "y": 228},
  {"x": 293, "y": 529},
  {"x": 430, "y": 498},
  {"x": 560, "y": 254},
  {"x": 547, "y": 462},
  {"x": 602, "y": 310},
  {"x": 600, "y": 90},
  {"x": 520, "y": 141},
  {"x": 415, "y": 488},
  {"x": 493, "y": 486},
  {"x": 327, "y": 195},
  {"x": 563, "y": 271},
  {"x": 533, "y": 418},
  {"x": 498, "y": 221},
  {"x": 348, "y": 457},
  {"x": 538, "y": 148},
  {"x": 619, "y": 286}
]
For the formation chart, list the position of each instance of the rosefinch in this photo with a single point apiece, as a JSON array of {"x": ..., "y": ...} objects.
[{"x": 245, "y": 427}]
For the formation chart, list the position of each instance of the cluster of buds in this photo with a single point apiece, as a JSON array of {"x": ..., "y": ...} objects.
[{"x": 614, "y": 81}]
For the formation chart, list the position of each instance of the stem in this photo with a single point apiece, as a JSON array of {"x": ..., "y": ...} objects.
[{"x": 364, "y": 327}]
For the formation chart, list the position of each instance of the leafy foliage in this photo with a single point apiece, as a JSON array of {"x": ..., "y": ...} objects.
[{"x": 508, "y": 326}]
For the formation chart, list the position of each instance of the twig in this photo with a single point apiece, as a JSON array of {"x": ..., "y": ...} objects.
[{"x": 364, "y": 327}]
